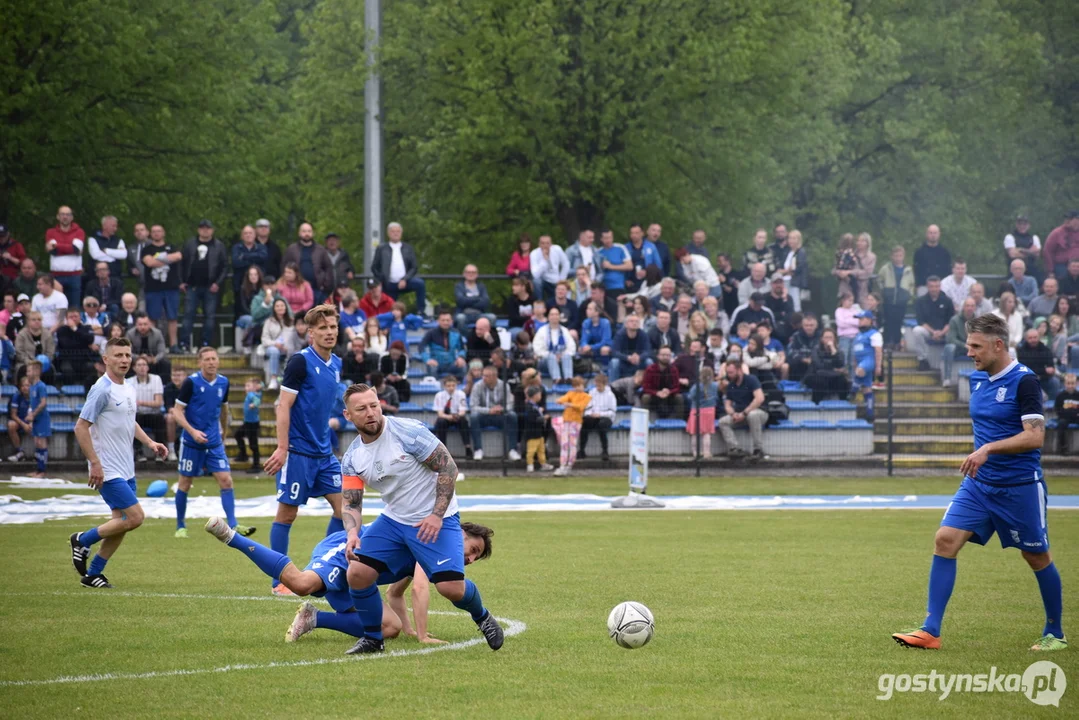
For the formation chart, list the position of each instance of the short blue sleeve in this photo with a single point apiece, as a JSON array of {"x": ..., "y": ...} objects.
[
  {"x": 96, "y": 401},
  {"x": 1028, "y": 395},
  {"x": 295, "y": 373}
]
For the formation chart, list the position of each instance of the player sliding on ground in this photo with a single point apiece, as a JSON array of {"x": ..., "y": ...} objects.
[
  {"x": 1003, "y": 488},
  {"x": 325, "y": 575},
  {"x": 304, "y": 461},
  {"x": 419, "y": 523},
  {"x": 202, "y": 410},
  {"x": 106, "y": 430}
]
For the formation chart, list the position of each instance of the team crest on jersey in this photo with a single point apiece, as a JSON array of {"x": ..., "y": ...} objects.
[
  {"x": 317, "y": 371},
  {"x": 378, "y": 466},
  {"x": 978, "y": 385},
  {"x": 220, "y": 392},
  {"x": 1001, "y": 393}
]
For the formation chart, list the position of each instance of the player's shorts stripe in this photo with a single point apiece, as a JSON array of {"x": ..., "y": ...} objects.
[
  {"x": 352, "y": 482},
  {"x": 1041, "y": 504},
  {"x": 284, "y": 474}
]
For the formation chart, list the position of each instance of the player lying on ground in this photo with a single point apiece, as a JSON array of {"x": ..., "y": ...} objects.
[
  {"x": 325, "y": 576},
  {"x": 202, "y": 410},
  {"x": 419, "y": 523},
  {"x": 1003, "y": 488},
  {"x": 106, "y": 431}
]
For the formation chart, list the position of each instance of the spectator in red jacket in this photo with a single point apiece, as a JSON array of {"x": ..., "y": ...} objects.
[
  {"x": 65, "y": 243},
  {"x": 1062, "y": 245},
  {"x": 375, "y": 302},
  {"x": 12, "y": 254},
  {"x": 520, "y": 264},
  {"x": 662, "y": 392}
]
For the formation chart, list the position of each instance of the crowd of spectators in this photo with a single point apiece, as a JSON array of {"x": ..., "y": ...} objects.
[{"x": 671, "y": 330}]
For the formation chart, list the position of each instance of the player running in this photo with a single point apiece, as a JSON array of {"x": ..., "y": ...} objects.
[
  {"x": 419, "y": 524},
  {"x": 1003, "y": 488},
  {"x": 106, "y": 430},
  {"x": 202, "y": 409},
  {"x": 325, "y": 575},
  {"x": 304, "y": 461}
]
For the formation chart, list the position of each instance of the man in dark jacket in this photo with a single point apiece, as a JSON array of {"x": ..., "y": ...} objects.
[
  {"x": 74, "y": 354},
  {"x": 273, "y": 252},
  {"x": 395, "y": 266},
  {"x": 1033, "y": 353},
  {"x": 343, "y": 272},
  {"x": 934, "y": 311},
  {"x": 482, "y": 341},
  {"x": 663, "y": 335},
  {"x": 314, "y": 262},
  {"x": 801, "y": 347},
  {"x": 149, "y": 341},
  {"x": 631, "y": 351},
  {"x": 247, "y": 252},
  {"x": 106, "y": 288},
  {"x": 930, "y": 259},
  {"x": 472, "y": 300},
  {"x": 205, "y": 267}
]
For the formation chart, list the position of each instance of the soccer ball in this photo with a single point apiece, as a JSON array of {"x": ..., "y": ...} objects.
[
  {"x": 460, "y": 477},
  {"x": 631, "y": 625}
]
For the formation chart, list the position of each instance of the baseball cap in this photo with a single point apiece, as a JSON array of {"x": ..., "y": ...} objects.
[
  {"x": 3, "y": 229},
  {"x": 330, "y": 235},
  {"x": 1022, "y": 218},
  {"x": 372, "y": 282},
  {"x": 262, "y": 222},
  {"x": 865, "y": 314},
  {"x": 777, "y": 279},
  {"x": 1072, "y": 214},
  {"x": 205, "y": 223},
  {"x": 23, "y": 297}
]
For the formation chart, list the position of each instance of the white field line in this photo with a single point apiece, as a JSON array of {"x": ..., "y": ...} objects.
[{"x": 512, "y": 628}]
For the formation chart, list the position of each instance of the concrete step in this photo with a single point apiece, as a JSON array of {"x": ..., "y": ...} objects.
[
  {"x": 912, "y": 410},
  {"x": 929, "y": 378},
  {"x": 915, "y": 394},
  {"x": 924, "y": 426},
  {"x": 928, "y": 444}
]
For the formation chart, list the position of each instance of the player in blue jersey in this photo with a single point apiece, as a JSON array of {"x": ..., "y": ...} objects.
[
  {"x": 1003, "y": 488},
  {"x": 201, "y": 410},
  {"x": 419, "y": 524},
  {"x": 304, "y": 461},
  {"x": 324, "y": 577},
  {"x": 105, "y": 432},
  {"x": 866, "y": 351}
]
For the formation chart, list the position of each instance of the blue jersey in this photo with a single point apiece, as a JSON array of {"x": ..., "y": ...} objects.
[
  {"x": 202, "y": 401},
  {"x": 314, "y": 382},
  {"x": 616, "y": 255},
  {"x": 863, "y": 349},
  {"x": 252, "y": 406},
  {"x": 645, "y": 256},
  {"x": 999, "y": 405},
  {"x": 18, "y": 406},
  {"x": 38, "y": 393}
]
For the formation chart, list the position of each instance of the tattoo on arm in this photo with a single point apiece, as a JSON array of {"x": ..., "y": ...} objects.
[
  {"x": 1034, "y": 423},
  {"x": 352, "y": 512},
  {"x": 443, "y": 464}
]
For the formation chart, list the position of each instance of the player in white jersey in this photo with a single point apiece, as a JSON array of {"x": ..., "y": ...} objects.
[
  {"x": 416, "y": 477},
  {"x": 106, "y": 430}
]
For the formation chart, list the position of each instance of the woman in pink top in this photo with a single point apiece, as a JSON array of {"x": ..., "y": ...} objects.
[
  {"x": 866, "y": 265},
  {"x": 519, "y": 265},
  {"x": 295, "y": 290},
  {"x": 846, "y": 323}
]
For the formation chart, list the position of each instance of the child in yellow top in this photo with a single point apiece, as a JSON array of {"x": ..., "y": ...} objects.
[{"x": 568, "y": 426}]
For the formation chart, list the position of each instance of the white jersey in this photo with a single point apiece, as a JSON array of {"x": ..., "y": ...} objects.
[
  {"x": 393, "y": 465},
  {"x": 111, "y": 408}
]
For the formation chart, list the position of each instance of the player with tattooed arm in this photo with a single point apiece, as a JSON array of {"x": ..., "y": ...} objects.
[
  {"x": 1003, "y": 488},
  {"x": 419, "y": 524}
]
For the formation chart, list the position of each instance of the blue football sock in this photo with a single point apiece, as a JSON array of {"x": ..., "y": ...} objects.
[
  {"x": 41, "y": 455},
  {"x": 97, "y": 565},
  {"x": 279, "y": 539},
  {"x": 349, "y": 623},
  {"x": 1052, "y": 598},
  {"x": 269, "y": 561},
  {"x": 941, "y": 582},
  {"x": 336, "y": 524},
  {"x": 181, "y": 508},
  {"x": 471, "y": 603},
  {"x": 228, "y": 504},
  {"x": 89, "y": 537},
  {"x": 368, "y": 604},
  {"x": 870, "y": 403}
]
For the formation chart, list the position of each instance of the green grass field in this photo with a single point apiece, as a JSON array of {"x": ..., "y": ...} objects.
[{"x": 758, "y": 613}]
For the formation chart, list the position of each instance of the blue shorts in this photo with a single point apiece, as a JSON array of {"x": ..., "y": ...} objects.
[
  {"x": 1016, "y": 514},
  {"x": 163, "y": 302},
  {"x": 196, "y": 461},
  {"x": 392, "y": 548},
  {"x": 329, "y": 563},
  {"x": 42, "y": 426},
  {"x": 119, "y": 493},
  {"x": 305, "y": 477}
]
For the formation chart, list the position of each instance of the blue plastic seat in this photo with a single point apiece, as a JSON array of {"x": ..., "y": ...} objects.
[
  {"x": 669, "y": 424},
  {"x": 854, "y": 425},
  {"x": 817, "y": 425},
  {"x": 801, "y": 405},
  {"x": 836, "y": 405},
  {"x": 73, "y": 390}
]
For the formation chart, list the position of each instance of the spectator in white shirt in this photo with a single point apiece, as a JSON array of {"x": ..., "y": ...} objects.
[
  {"x": 50, "y": 303},
  {"x": 698, "y": 268},
  {"x": 599, "y": 415},
  {"x": 451, "y": 406},
  {"x": 583, "y": 253},
  {"x": 555, "y": 347},
  {"x": 755, "y": 283},
  {"x": 549, "y": 267},
  {"x": 108, "y": 247},
  {"x": 957, "y": 285}
]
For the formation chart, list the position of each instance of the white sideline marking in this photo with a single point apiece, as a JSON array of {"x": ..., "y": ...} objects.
[{"x": 512, "y": 628}]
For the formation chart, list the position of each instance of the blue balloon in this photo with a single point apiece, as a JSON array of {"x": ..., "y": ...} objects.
[
  {"x": 157, "y": 488},
  {"x": 45, "y": 363}
]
